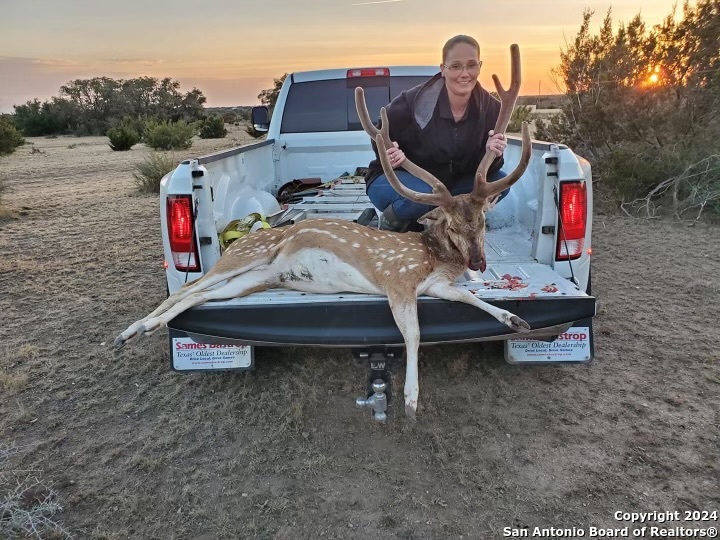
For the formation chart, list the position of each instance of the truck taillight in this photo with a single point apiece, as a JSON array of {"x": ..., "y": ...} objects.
[
  {"x": 180, "y": 222},
  {"x": 573, "y": 220},
  {"x": 368, "y": 72}
]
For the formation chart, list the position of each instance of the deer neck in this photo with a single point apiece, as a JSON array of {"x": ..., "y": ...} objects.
[{"x": 443, "y": 250}]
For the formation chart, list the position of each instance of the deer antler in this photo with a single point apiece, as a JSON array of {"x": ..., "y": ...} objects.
[
  {"x": 482, "y": 188},
  {"x": 440, "y": 195}
]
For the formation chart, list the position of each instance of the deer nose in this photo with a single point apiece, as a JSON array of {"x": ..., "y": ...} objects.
[
  {"x": 477, "y": 258},
  {"x": 478, "y": 265}
]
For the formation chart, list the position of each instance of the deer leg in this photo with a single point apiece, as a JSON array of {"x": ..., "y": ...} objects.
[
  {"x": 236, "y": 287},
  {"x": 447, "y": 291},
  {"x": 205, "y": 283},
  {"x": 405, "y": 315}
]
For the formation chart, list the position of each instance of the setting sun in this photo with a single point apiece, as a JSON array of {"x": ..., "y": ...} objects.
[{"x": 654, "y": 77}]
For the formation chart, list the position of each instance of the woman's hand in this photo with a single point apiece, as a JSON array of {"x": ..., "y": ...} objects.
[
  {"x": 496, "y": 143},
  {"x": 395, "y": 155}
]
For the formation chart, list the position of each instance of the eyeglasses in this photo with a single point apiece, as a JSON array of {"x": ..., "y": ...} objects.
[{"x": 457, "y": 67}]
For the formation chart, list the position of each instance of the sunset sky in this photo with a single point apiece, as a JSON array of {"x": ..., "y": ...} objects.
[{"x": 232, "y": 49}]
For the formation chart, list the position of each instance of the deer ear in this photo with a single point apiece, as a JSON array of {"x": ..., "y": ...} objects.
[
  {"x": 433, "y": 217},
  {"x": 489, "y": 203}
]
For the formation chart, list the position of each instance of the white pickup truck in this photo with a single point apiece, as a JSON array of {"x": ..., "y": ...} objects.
[{"x": 310, "y": 165}]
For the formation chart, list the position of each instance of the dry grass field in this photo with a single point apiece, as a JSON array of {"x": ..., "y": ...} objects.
[{"x": 134, "y": 450}]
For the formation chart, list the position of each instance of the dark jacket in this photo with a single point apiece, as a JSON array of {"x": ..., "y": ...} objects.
[{"x": 422, "y": 124}]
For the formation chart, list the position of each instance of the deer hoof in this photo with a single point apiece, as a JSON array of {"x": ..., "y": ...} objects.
[
  {"x": 519, "y": 325},
  {"x": 120, "y": 341},
  {"x": 410, "y": 408}
]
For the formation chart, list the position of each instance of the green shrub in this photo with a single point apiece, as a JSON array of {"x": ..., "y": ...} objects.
[
  {"x": 35, "y": 119},
  {"x": 122, "y": 137},
  {"x": 149, "y": 173},
  {"x": 213, "y": 127},
  {"x": 10, "y": 137},
  {"x": 168, "y": 136},
  {"x": 631, "y": 170},
  {"x": 679, "y": 176},
  {"x": 522, "y": 113},
  {"x": 136, "y": 124}
]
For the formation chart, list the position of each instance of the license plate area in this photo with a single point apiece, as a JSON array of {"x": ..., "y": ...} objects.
[
  {"x": 572, "y": 346},
  {"x": 188, "y": 355}
]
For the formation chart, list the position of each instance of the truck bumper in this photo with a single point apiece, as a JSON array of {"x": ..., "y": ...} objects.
[{"x": 366, "y": 323}]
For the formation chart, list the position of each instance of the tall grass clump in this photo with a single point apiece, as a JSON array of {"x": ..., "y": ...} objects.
[
  {"x": 150, "y": 171},
  {"x": 10, "y": 137},
  {"x": 168, "y": 135},
  {"x": 213, "y": 127}
]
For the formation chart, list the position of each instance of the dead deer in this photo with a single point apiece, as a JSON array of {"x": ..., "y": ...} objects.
[{"x": 326, "y": 256}]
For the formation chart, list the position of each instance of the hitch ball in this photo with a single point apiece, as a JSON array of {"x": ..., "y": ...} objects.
[{"x": 377, "y": 402}]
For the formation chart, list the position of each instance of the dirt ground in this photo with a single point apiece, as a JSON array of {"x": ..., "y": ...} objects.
[{"x": 135, "y": 450}]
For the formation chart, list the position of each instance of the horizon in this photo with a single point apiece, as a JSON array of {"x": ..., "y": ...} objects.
[{"x": 78, "y": 39}]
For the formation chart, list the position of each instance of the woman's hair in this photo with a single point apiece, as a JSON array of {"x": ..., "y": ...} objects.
[{"x": 459, "y": 39}]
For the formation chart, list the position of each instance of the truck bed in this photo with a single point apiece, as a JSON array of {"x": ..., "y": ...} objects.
[{"x": 513, "y": 280}]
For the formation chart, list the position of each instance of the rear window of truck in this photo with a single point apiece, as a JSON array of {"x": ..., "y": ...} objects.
[{"x": 317, "y": 106}]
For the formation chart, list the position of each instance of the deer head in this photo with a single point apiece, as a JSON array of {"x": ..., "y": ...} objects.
[{"x": 458, "y": 221}]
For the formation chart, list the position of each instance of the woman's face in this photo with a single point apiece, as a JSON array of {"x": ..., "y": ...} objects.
[{"x": 461, "y": 69}]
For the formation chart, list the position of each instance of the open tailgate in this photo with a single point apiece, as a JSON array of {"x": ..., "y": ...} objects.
[{"x": 533, "y": 291}]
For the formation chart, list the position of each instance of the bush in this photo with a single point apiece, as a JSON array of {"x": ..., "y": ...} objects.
[
  {"x": 35, "y": 119},
  {"x": 122, "y": 137},
  {"x": 10, "y": 137},
  {"x": 243, "y": 114},
  {"x": 213, "y": 127},
  {"x": 94, "y": 127},
  {"x": 521, "y": 114},
  {"x": 168, "y": 136},
  {"x": 673, "y": 179},
  {"x": 630, "y": 171},
  {"x": 137, "y": 124},
  {"x": 28, "y": 505},
  {"x": 149, "y": 173}
]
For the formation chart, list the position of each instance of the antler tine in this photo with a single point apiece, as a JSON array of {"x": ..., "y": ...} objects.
[
  {"x": 507, "y": 103},
  {"x": 485, "y": 190},
  {"x": 440, "y": 195},
  {"x": 364, "y": 116}
]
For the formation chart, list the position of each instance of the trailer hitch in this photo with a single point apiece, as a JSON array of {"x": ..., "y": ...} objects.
[
  {"x": 377, "y": 402},
  {"x": 378, "y": 361}
]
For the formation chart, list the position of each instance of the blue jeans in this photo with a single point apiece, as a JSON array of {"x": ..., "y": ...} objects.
[{"x": 382, "y": 194}]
